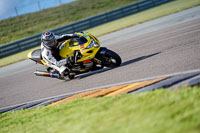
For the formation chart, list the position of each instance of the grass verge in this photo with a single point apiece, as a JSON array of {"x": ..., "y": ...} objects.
[
  {"x": 163, "y": 10},
  {"x": 26, "y": 25},
  {"x": 153, "y": 112},
  {"x": 16, "y": 57},
  {"x": 157, "y": 12}
]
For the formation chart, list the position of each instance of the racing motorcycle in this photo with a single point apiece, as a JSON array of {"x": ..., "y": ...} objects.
[{"x": 88, "y": 53}]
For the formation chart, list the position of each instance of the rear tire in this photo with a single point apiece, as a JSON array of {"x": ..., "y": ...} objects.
[
  {"x": 112, "y": 59},
  {"x": 71, "y": 77}
]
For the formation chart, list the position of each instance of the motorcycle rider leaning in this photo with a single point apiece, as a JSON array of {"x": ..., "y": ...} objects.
[{"x": 50, "y": 51}]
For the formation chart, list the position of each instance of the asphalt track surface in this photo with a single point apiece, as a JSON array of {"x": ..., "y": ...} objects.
[{"x": 151, "y": 52}]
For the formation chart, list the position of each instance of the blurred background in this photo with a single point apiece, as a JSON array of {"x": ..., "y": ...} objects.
[{"x": 12, "y": 8}]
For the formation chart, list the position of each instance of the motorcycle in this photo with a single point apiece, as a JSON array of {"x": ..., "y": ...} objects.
[{"x": 88, "y": 53}]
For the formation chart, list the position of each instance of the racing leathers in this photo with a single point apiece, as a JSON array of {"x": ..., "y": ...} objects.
[{"x": 52, "y": 57}]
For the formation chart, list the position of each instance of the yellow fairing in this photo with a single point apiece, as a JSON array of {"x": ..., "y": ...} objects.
[
  {"x": 29, "y": 55},
  {"x": 69, "y": 46},
  {"x": 44, "y": 63},
  {"x": 66, "y": 50}
]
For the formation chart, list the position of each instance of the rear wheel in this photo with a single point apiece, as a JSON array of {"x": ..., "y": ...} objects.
[
  {"x": 71, "y": 76},
  {"x": 112, "y": 59}
]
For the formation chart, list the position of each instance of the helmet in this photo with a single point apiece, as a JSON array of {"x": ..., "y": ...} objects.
[{"x": 48, "y": 39}]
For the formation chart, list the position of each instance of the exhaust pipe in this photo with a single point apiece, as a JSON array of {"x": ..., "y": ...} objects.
[{"x": 47, "y": 74}]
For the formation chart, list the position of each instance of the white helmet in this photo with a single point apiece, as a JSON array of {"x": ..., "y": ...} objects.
[{"x": 48, "y": 39}]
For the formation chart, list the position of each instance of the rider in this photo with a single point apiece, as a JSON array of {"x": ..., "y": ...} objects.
[{"x": 50, "y": 51}]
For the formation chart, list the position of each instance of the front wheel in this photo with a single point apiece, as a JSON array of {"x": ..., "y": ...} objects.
[{"x": 112, "y": 59}]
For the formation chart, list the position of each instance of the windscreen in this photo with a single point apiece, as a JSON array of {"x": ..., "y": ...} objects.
[{"x": 80, "y": 40}]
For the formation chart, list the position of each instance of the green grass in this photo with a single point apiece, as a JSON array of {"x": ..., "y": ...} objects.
[
  {"x": 159, "y": 111},
  {"x": 23, "y": 26},
  {"x": 160, "y": 11},
  {"x": 16, "y": 57},
  {"x": 163, "y": 10}
]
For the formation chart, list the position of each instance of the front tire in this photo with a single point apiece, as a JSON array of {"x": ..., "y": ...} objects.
[{"x": 112, "y": 59}]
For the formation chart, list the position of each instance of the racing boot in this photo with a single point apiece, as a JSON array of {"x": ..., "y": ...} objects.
[{"x": 64, "y": 71}]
